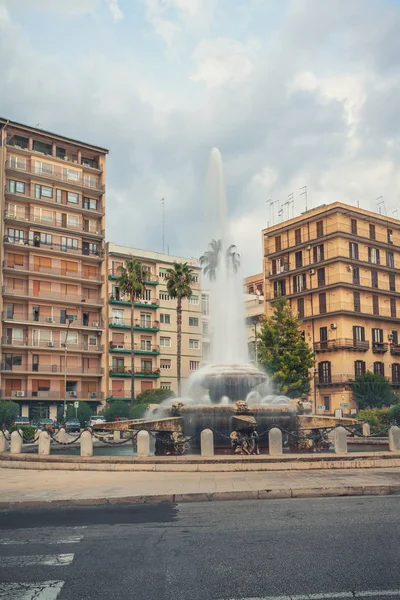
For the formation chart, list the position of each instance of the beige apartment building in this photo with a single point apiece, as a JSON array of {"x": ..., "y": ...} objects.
[
  {"x": 53, "y": 269},
  {"x": 155, "y": 326},
  {"x": 254, "y": 311},
  {"x": 339, "y": 267}
]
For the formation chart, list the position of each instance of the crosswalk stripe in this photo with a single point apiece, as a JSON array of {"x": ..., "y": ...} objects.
[
  {"x": 45, "y": 590},
  {"x": 328, "y": 595},
  {"x": 48, "y": 560},
  {"x": 72, "y": 539}
]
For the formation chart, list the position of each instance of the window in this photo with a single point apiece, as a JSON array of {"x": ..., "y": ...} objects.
[
  {"x": 395, "y": 373},
  {"x": 43, "y": 191},
  {"x": 390, "y": 259},
  {"x": 354, "y": 226},
  {"x": 44, "y": 238},
  {"x": 390, "y": 236},
  {"x": 395, "y": 337},
  {"x": 17, "y": 334},
  {"x": 322, "y": 304},
  {"x": 359, "y": 368},
  {"x": 165, "y": 342},
  {"x": 358, "y": 333},
  {"x": 165, "y": 363},
  {"x": 321, "y": 277},
  {"x": 10, "y": 311},
  {"x": 375, "y": 305},
  {"x": 374, "y": 256},
  {"x": 146, "y": 366},
  {"x": 92, "y": 340},
  {"x": 372, "y": 232},
  {"x": 91, "y": 181},
  {"x": 379, "y": 368},
  {"x": 90, "y": 162},
  {"x": 72, "y": 337},
  {"x": 72, "y": 198},
  {"x": 194, "y": 365},
  {"x": 193, "y": 322},
  {"x": 353, "y": 250},
  {"x": 72, "y": 220},
  {"x": 70, "y": 174},
  {"x": 117, "y": 316},
  {"x": 163, "y": 273},
  {"x": 205, "y": 327},
  {"x": 60, "y": 152},
  {"x": 42, "y": 148},
  {"x": 19, "y": 142},
  {"x": 298, "y": 259},
  {"x": 297, "y": 236},
  {"x": 194, "y": 300},
  {"x": 15, "y": 235},
  {"x": 374, "y": 279},
  {"x": 326, "y": 401},
  {"x": 323, "y": 337},
  {"x": 393, "y": 310},
  {"x": 165, "y": 318},
  {"x": 299, "y": 283},
  {"x": 204, "y": 305},
  {"x": 195, "y": 278},
  {"x": 68, "y": 244},
  {"x": 300, "y": 307},
  {"x": 165, "y": 385},
  {"x": 377, "y": 336},
  {"x": 392, "y": 282},
  {"x": 90, "y": 203},
  {"x": 16, "y": 162},
  {"x": 164, "y": 296},
  {"x": 357, "y": 301},
  {"x": 145, "y": 319},
  {"x": 278, "y": 243},
  {"x": 194, "y": 344},
  {"x": 279, "y": 288},
  {"x": 356, "y": 276},
  {"x": 16, "y": 187},
  {"x": 320, "y": 228},
  {"x": 318, "y": 252},
  {"x": 118, "y": 365},
  {"x": 324, "y": 372},
  {"x": 279, "y": 265}
]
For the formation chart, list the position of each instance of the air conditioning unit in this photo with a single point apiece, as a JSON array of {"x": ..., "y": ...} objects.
[
  {"x": 390, "y": 336},
  {"x": 308, "y": 247},
  {"x": 312, "y": 271},
  {"x": 349, "y": 268},
  {"x": 95, "y": 324},
  {"x": 50, "y": 344},
  {"x": 73, "y": 394},
  {"x": 20, "y": 394},
  {"x": 333, "y": 326},
  {"x": 93, "y": 394},
  {"x": 315, "y": 370},
  {"x": 50, "y": 320}
]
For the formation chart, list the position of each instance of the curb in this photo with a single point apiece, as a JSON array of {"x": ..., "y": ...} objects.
[{"x": 277, "y": 494}]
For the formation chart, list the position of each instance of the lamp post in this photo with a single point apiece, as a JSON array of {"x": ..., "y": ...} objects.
[{"x": 70, "y": 319}]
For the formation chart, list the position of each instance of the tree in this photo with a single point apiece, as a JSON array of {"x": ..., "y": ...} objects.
[
  {"x": 155, "y": 395},
  {"x": 283, "y": 351},
  {"x": 131, "y": 284},
  {"x": 119, "y": 408},
  {"x": 211, "y": 258},
  {"x": 83, "y": 412},
  {"x": 9, "y": 411},
  {"x": 179, "y": 285},
  {"x": 372, "y": 391},
  {"x": 232, "y": 258}
]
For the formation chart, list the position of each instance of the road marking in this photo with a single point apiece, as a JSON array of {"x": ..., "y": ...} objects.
[
  {"x": 328, "y": 595},
  {"x": 48, "y": 560},
  {"x": 46, "y": 590},
  {"x": 72, "y": 539}
]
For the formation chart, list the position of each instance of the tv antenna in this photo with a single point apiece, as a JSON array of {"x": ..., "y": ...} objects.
[
  {"x": 163, "y": 224},
  {"x": 303, "y": 192},
  {"x": 272, "y": 210},
  {"x": 396, "y": 210},
  {"x": 381, "y": 205}
]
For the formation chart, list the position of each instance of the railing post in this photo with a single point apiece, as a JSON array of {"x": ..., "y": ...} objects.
[
  {"x": 394, "y": 438},
  {"x": 44, "y": 444},
  {"x": 275, "y": 442},
  {"x": 61, "y": 435},
  {"x": 143, "y": 443},
  {"x": 86, "y": 444},
  {"x": 16, "y": 443},
  {"x": 3, "y": 442},
  {"x": 207, "y": 442},
  {"x": 366, "y": 429},
  {"x": 340, "y": 440}
]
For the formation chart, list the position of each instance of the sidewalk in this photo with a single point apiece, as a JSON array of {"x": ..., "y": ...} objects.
[{"x": 30, "y": 488}]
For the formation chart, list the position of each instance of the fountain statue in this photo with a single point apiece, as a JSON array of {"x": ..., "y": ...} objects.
[{"x": 230, "y": 396}]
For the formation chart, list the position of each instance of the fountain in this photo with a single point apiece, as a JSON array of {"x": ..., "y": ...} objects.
[{"x": 230, "y": 396}]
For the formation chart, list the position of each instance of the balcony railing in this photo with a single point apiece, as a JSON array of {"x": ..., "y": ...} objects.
[
  {"x": 57, "y": 345},
  {"x": 83, "y": 204},
  {"x": 49, "y": 295},
  {"x": 51, "y": 368},
  {"x": 50, "y": 395},
  {"x": 137, "y": 371},
  {"x": 379, "y": 347},
  {"x": 53, "y": 271},
  {"x": 53, "y": 321},
  {"x": 25, "y": 243},
  {"x": 138, "y": 323},
  {"x": 395, "y": 349},
  {"x": 149, "y": 277},
  {"x": 140, "y": 348},
  {"x": 327, "y": 380},
  {"x": 52, "y": 222},
  {"x": 341, "y": 344},
  {"x": 68, "y": 174},
  {"x": 150, "y": 302}
]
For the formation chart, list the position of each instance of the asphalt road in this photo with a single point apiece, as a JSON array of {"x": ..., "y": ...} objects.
[{"x": 331, "y": 547}]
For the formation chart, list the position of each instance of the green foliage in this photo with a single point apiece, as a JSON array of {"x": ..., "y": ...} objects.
[
  {"x": 119, "y": 408},
  {"x": 180, "y": 280},
  {"x": 29, "y": 432},
  {"x": 284, "y": 353},
  {"x": 378, "y": 418},
  {"x": 394, "y": 414},
  {"x": 372, "y": 391},
  {"x": 9, "y": 411},
  {"x": 83, "y": 413},
  {"x": 138, "y": 411},
  {"x": 211, "y": 257},
  {"x": 131, "y": 279},
  {"x": 154, "y": 396}
]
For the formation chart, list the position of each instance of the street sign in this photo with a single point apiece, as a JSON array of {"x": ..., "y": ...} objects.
[
  {"x": 322, "y": 407},
  {"x": 344, "y": 404},
  {"x": 76, "y": 404}
]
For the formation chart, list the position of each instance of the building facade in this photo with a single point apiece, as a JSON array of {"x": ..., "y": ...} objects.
[
  {"x": 339, "y": 267},
  {"x": 254, "y": 311},
  {"x": 155, "y": 326},
  {"x": 53, "y": 270}
]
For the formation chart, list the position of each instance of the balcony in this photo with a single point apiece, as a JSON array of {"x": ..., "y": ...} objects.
[
  {"x": 334, "y": 380},
  {"x": 50, "y": 395},
  {"x": 53, "y": 223},
  {"x": 125, "y": 348},
  {"x": 126, "y": 372},
  {"x": 50, "y": 369},
  {"x": 379, "y": 347},
  {"x": 150, "y": 303},
  {"x": 25, "y": 292},
  {"x": 150, "y": 279},
  {"x": 139, "y": 324},
  {"x": 48, "y": 172},
  {"x": 25, "y": 243},
  {"x": 56, "y": 345},
  {"x": 53, "y": 321},
  {"x": 82, "y": 207},
  {"x": 341, "y": 344},
  {"x": 30, "y": 270},
  {"x": 395, "y": 349}
]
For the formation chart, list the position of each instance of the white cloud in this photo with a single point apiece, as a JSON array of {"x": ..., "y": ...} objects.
[
  {"x": 115, "y": 10},
  {"x": 65, "y": 8}
]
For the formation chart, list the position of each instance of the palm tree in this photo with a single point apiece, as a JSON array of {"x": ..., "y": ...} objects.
[
  {"x": 232, "y": 258},
  {"x": 210, "y": 259},
  {"x": 131, "y": 284},
  {"x": 179, "y": 285}
]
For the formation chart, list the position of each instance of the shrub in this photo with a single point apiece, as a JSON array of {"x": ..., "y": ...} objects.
[
  {"x": 29, "y": 432},
  {"x": 378, "y": 418},
  {"x": 119, "y": 408},
  {"x": 154, "y": 396},
  {"x": 371, "y": 390},
  {"x": 9, "y": 411},
  {"x": 138, "y": 411}
]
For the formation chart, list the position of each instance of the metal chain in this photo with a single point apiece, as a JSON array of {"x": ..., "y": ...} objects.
[{"x": 120, "y": 443}]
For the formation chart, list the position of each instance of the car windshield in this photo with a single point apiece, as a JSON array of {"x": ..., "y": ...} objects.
[
  {"x": 46, "y": 421},
  {"x": 72, "y": 420}
]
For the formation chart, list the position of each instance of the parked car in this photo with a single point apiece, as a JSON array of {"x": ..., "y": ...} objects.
[
  {"x": 19, "y": 421},
  {"x": 72, "y": 425},
  {"x": 46, "y": 425},
  {"x": 95, "y": 419}
]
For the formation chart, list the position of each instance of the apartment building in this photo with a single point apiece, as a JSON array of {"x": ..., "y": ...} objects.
[
  {"x": 53, "y": 269},
  {"x": 254, "y": 284},
  {"x": 254, "y": 310},
  {"x": 339, "y": 267},
  {"x": 155, "y": 326}
]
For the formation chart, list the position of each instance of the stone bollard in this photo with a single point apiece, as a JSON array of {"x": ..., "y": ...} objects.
[
  {"x": 275, "y": 441},
  {"x": 86, "y": 444},
  {"x": 207, "y": 442},
  {"x": 143, "y": 443},
  {"x": 3, "y": 442},
  {"x": 340, "y": 440},
  {"x": 117, "y": 435},
  {"x": 366, "y": 429},
  {"x": 16, "y": 443},
  {"x": 61, "y": 435},
  {"x": 394, "y": 438},
  {"x": 44, "y": 444}
]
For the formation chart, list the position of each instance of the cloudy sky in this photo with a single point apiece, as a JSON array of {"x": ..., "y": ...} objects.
[{"x": 293, "y": 92}]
